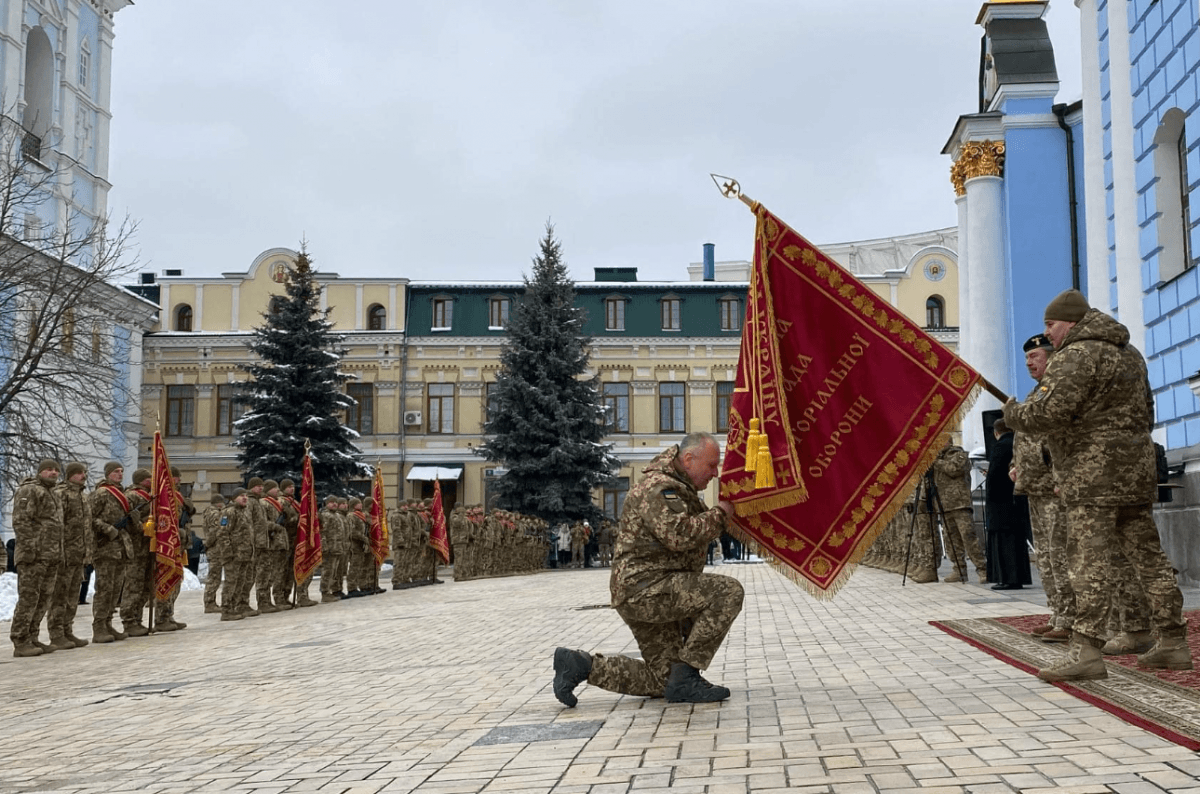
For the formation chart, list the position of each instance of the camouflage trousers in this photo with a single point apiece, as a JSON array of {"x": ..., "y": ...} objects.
[
  {"x": 239, "y": 577},
  {"x": 922, "y": 543},
  {"x": 110, "y": 579},
  {"x": 361, "y": 565},
  {"x": 35, "y": 587},
  {"x": 960, "y": 528},
  {"x": 576, "y": 556},
  {"x": 302, "y": 596},
  {"x": 683, "y": 618},
  {"x": 264, "y": 574},
  {"x": 64, "y": 602},
  {"x": 1128, "y": 607},
  {"x": 398, "y": 561},
  {"x": 1047, "y": 515},
  {"x": 286, "y": 574},
  {"x": 164, "y": 608},
  {"x": 332, "y": 573},
  {"x": 212, "y": 582},
  {"x": 1095, "y": 531},
  {"x": 137, "y": 584}
]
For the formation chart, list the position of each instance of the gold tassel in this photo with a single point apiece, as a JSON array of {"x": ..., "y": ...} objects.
[
  {"x": 148, "y": 527},
  {"x": 752, "y": 441},
  {"x": 765, "y": 470}
]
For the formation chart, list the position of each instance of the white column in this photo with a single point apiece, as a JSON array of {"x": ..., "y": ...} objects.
[
  {"x": 1125, "y": 225},
  {"x": 198, "y": 309},
  {"x": 165, "y": 318},
  {"x": 235, "y": 307},
  {"x": 1094, "y": 206},
  {"x": 965, "y": 350},
  {"x": 991, "y": 322}
]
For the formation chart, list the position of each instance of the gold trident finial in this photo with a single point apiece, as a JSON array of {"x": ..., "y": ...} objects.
[{"x": 730, "y": 188}]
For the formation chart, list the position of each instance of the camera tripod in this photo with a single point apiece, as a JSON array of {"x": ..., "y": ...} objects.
[{"x": 927, "y": 490}]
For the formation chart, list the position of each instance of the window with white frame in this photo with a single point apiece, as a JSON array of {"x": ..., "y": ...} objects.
[
  {"x": 498, "y": 312},
  {"x": 443, "y": 314},
  {"x": 671, "y": 307}
]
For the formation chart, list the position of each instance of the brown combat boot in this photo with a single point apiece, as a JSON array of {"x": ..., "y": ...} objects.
[
  {"x": 26, "y": 649},
  {"x": 212, "y": 609},
  {"x": 1169, "y": 653},
  {"x": 45, "y": 646},
  {"x": 61, "y": 643},
  {"x": 924, "y": 576},
  {"x": 231, "y": 614},
  {"x": 79, "y": 643},
  {"x": 329, "y": 598},
  {"x": 954, "y": 578},
  {"x": 1056, "y": 635},
  {"x": 266, "y": 607},
  {"x": 1128, "y": 642},
  {"x": 136, "y": 630},
  {"x": 250, "y": 612},
  {"x": 1083, "y": 662},
  {"x": 116, "y": 635},
  {"x": 1038, "y": 631},
  {"x": 100, "y": 633}
]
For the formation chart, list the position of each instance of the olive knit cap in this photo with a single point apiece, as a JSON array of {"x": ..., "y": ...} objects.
[
  {"x": 285, "y": 484},
  {"x": 48, "y": 463},
  {"x": 1069, "y": 306},
  {"x": 254, "y": 482},
  {"x": 75, "y": 467},
  {"x": 141, "y": 475},
  {"x": 112, "y": 466},
  {"x": 269, "y": 485},
  {"x": 217, "y": 499}
]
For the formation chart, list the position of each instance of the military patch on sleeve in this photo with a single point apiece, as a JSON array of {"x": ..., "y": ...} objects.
[
  {"x": 673, "y": 500},
  {"x": 1042, "y": 393}
]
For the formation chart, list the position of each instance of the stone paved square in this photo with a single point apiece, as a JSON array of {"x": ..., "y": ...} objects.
[{"x": 395, "y": 693}]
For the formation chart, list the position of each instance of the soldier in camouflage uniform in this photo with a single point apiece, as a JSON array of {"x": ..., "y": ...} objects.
[
  {"x": 263, "y": 522},
  {"x": 113, "y": 519},
  {"x": 1033, "y": 476},
  {"x": 77, "y": 535},
  {"x": 331, "y": 551},
  {"x": 237, "y": 554},
  {"x": 210, "y": 520},
  {"x": 165, "y": 618},
  {"x": 1095, "y": 410},
  {"x": 606, "y": 542},
  {"x": 678, "y": 614},
  {"x": 950, "y": 471},
  {"x": 139, "y": 577},
  {"x": 37, "y": 521},
  {"x": 287, "y": 573},
  {"x": 277, "y": 543},
  {"x": 359, "y": 550}
]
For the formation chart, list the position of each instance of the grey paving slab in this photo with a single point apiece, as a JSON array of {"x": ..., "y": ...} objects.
[{"x": 446, "y": 689}]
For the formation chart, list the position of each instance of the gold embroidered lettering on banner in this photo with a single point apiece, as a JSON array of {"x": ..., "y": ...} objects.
[{"x": 977, "y": 158}]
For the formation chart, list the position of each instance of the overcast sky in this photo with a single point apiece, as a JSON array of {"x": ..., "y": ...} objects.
[{"x": 433, "y": 140}]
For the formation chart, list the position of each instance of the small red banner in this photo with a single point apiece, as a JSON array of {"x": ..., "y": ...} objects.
[
  {"x": 380, "y": 542},
  {"x": 439, "y": 538},
  {"x": 169, "y": 555},
  {"x": 308, "y": 533}
]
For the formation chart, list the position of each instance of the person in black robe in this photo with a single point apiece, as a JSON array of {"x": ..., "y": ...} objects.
[{"x": 1008, "y": 527}]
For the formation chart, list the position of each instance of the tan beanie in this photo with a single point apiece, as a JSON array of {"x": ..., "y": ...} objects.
[
  {"x": 1069, "y": 306},
  {"x": 112, "y": 466}
]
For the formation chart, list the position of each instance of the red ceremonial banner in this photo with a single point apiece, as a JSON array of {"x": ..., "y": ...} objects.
[
  {"x": 841, "y": 403},
  {"x": 164, "y": 512},
  {"x": 308, "y": 533},
  {"x": 380, "y": 535},
  {"x": 439, "y": 538}
]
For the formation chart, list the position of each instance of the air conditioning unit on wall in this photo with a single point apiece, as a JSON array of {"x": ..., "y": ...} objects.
[{"x": 412, "y": 417}]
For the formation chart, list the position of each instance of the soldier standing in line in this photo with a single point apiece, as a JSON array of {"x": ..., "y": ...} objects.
[
  {"x": 165, "y": 618},
  {"x": 348, "y": 549},
  {"x": 113, "y": 517},
  {"x": 260, "y": 574},
  {"x": 678, "y": 614},
  {"x": 139, "y": 579},
  {"x": 277, "y": 555},
  {"x": 951, "y": 469},
  {"x": 291, "y": 525},
  {"x": 606, "y": 542},
  {"x": 359, "y": 547},
  {"x": 458, "y": 541},
  {"x": 396, "y": 543},
  {"x": 1095, "y": 409},
  {"x": 77, "y": 536},
  {"x": 237, "y": 554},
  {"x": 212, "y": 528},
  {"x": 331, "y": 550},
  {"x": 579, "y": 536},
  {"x": 38, "y": 525}
]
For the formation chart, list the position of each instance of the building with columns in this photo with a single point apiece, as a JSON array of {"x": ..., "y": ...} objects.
[
  {"x": 1113, "y": 210},
  {"x": 426, "y": 353}
]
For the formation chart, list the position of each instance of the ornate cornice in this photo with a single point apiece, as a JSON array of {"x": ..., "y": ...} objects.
[{"x": 977, "y": 158}]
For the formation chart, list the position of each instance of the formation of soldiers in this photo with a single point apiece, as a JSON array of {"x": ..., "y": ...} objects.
[
  {"x": 414, "y": 560},
  {"x": 496, "y": 542}
]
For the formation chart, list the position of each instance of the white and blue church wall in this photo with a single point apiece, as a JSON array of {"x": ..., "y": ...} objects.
[{"x": 1017, "y": 172}]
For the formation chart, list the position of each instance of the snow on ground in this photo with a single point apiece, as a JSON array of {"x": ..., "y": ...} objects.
[{"x": 8, "y": 595}]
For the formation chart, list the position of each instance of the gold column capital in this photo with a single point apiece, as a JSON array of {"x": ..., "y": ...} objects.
[{"x": 977, "y": 158}]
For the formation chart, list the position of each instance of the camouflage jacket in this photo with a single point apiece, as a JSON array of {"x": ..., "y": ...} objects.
[
  {"x": 37, "y": 521},
  {"x": 665, "y": 528},
  {"x": 332, "y": 534},
  {"x": 77, "y": 522},
  {"x": 210, "y": 527},
  {"x": 1095, "y": 410},
  {"x": 261, "y": 533},
  {"x": 237, "y": 536},
  {"x": 276, "y": 532},
  {"x": 111, "y": 542},
  {"x": 1031, "y": 458},
  {"x": 950, "y": 469}
]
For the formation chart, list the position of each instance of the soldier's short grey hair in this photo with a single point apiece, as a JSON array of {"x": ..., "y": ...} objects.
[{"x": 694, "y": 441}]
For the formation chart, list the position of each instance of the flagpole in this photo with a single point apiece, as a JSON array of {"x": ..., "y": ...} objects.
[{"x": 730, "y": 188}]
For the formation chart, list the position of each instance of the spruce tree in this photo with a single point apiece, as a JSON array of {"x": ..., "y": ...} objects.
[
  {"x": 296, "y": 392},
  {"x": 547, "y": 421}
]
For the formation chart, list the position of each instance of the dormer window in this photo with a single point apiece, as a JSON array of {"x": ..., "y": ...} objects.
[
  {"x": 443, "y": 313},
  {"x": 671, "y": 308},
  {"x": 614, "y": 313},
  {"x": 498, "y": 307}
]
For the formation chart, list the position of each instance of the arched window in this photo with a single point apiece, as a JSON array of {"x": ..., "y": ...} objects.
[
  {"x": 183, "y": 317},
  {"x": 376, "y": 318},
  {"x": 935, "y": 312},
  {"x": 39, "y": 92},
  {"x": 1172, "y": 194}
]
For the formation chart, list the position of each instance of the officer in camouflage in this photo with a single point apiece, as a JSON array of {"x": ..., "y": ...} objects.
[
  {"x": 77, "y": 536},
  {"x": 678, "y": 614},
  {"x": 212, "y": 528},
  {"x": 950, "y": 471},
  {"x": 1096, "y": 411}
]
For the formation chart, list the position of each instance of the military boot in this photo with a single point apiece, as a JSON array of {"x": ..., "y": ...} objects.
[
  {"x": 571, "y": 669},
  {"x": 1083, "y": 662},
  {"x": 116, "y": 635},
  {"x": 266, "y": 607},
  {"x": 250, "y": 612},
  {"x": 231, "y": 614},
  {"x": 61, "y": 643},
  {"x": 282, "y": 606},
  {"x": 1128, "y": 642},
  {"x": 686, "y": 685},
  {"x": 1038, "y": 631},
  {"x": 954, "y": 577},
  {"x": 924, "y": 576},
  {"x": 45, "y": 646},
  {"x": 78, "y": 642},
  {"x": 1169, "y": 653},
  {"x": 100, "y": 633},
  {"x": 26, "y": 649},
  {"x": 329, "y": 598},
  {"x": 136, "y": 630},
  {"x": 212, "y": 609}
]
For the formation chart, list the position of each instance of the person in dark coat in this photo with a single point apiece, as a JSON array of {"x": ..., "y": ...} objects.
[{"x": 1008, "y": 526}]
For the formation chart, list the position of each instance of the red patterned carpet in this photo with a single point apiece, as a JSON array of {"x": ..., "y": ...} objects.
[{"x": 1166, "y": 702}]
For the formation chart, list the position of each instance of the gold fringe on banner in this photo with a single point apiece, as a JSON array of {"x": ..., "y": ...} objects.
[{"x": 752, "y": 443}]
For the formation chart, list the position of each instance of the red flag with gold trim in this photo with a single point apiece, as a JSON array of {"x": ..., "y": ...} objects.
[
  {"x": 380, "y": 541},
  {"x": 841, "y": 403},
  {"x": 439, "y": 538},
  {"x": 308, "y": 533},
  {"x": 169, "y": 554}
]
